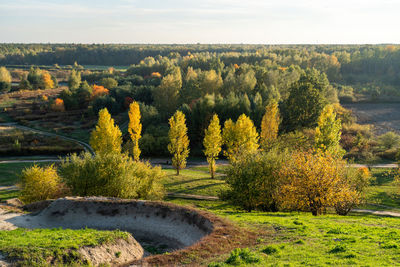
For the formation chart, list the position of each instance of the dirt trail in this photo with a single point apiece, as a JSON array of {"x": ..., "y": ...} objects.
[{"x": 378, "y": 212}]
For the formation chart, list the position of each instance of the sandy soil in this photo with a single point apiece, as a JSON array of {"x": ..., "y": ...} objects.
[{"x": 384, "y": 116}]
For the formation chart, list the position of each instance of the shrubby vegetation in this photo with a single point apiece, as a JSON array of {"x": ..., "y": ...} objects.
[
  {"x": 253, "y": 181},
  {"x": 111, "y": 174},
  {"x": 41, "y": 183}
]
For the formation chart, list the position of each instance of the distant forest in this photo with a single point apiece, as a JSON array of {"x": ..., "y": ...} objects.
[
  {"x": 372, "y": 70},
  {"x": 202, "y": 80}
]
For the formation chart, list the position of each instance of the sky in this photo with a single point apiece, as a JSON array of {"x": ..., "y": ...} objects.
[{"x": 200, "y": 21}]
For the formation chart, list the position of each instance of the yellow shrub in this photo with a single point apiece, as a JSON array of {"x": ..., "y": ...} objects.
[
  {"x": 40, "y": 183},
  {"x": 314, "y": 182}
]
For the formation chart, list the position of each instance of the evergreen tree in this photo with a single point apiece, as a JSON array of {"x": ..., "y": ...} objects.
[
  {"x": 106, "y": 138},
  {"x": 179, "y": 141},
  {"x": 328, "y": 132},
  {"x": 240, "y": 137},
  {"x": 269, "y": 125},
  {"x": 135, "y": 128},
  {"x": 212, "y": 143}
]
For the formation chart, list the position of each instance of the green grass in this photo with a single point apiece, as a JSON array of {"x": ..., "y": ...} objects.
[
  {"x": 8, "y": 193},
  {"x": 193, "y": 182},
  {"x": 384, "y": 190},
  {"x": 9, "y": 171},
  {"x": 298, "y": 238},
  {"x": 36, "y": 247},
  {"x": 220, "y": 168}
]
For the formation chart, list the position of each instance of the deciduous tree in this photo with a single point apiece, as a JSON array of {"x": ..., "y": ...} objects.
[
  {"x": 313, "y": 182},
  {"x": 269, "y": 125},
  {"x": 179, "y": 141},
  {"x": 328, "y": 132},
  {"x": 106, "y": 138},
  {"x": 74, "y": 79},
  {"x": 5, "y": 80},
  {"x": 135, "y": 128},
  {"x": 212, "y": 143},
  {"x": 240, "y": 137}
]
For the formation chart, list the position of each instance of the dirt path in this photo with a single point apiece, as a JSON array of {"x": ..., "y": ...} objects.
[
  {"x": 86, "y": 146},
  {"x": 378, "y": 212}
]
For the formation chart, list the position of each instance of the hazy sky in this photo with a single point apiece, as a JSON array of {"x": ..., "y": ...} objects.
[{"x": 200, "y": 21}]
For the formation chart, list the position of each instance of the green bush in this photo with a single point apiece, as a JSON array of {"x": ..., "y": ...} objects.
[
  {"x": 40, "y": 183},
  {"x": 113, "y": 175},
  {"x": 270, "y": 250},
  {"x": 252, "y": 180},
  {"x": 240, "y": 256},
  {"x": 389, "y": 140}
]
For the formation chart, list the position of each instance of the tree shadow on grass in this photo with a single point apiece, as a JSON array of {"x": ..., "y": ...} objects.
[
  {"x": 187, "y": 181},
  {"x": 196, "y": 188}
]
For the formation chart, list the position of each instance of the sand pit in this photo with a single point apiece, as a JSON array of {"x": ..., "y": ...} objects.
[{"x": 174, "y": 226}]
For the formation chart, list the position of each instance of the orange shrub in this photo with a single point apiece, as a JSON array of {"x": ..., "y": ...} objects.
[
  {"x": 58, "y": 105},
  {"x": 47, "y": 80},
  {"x": 99, "y": 90},
  {"x": 156, "y": 75}
]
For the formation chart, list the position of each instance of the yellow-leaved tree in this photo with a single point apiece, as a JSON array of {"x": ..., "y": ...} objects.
[
  {"x": 240, "y": 137},
  {"x": 135, "y": 128},
  {"x": 106, "y": 138},
  {"x": 313, "y": 182},
  {"x": 328, "y": 133},
  {"x": 269, "y": 125},
  {"x": 47, "y": 81},
  {"x": 179, "y": 141},
  {"x": 212, "y": 143}
]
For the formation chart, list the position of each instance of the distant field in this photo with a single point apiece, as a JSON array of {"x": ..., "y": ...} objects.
[{"x": 384, "y": 116}]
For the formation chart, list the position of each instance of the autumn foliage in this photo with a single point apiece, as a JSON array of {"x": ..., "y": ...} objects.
[
  {"x": 179, "y": 141},
  {"x": 135, "y": 128},
  {"x": 47, "y": 80},
  {"x": 239, "y": 137},
  {"x": 58, "y": 105},
  {"x": 156, "y": 75},
  {"x": 106, "y": 137},
  {"x": 314, "y": 182},
  {"x": 212, "y": 143},
  {"x": 99, "y": 90},
  {"x": 269, "y": 125}
]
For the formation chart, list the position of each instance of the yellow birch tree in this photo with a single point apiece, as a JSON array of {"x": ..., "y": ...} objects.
[{"x": 269, "y": 125}]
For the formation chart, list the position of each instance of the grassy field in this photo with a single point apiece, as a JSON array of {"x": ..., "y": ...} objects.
[
  {"x": 296, "y": 238},
  {"x": 384, "y": 192},
  {"x": 36, "y": 247},
  {"x": 300, "y": 239},
  {"x": 193, "y": 181}
]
